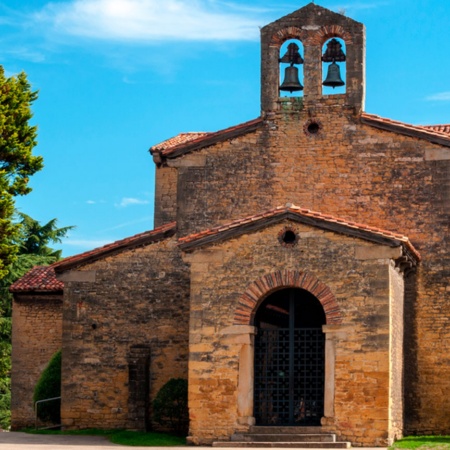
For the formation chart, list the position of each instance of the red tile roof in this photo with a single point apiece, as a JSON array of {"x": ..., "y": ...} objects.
[
  {"x": 189, "y": 142},
  {"x": 432, "y": 133},
  {"x": 439, "y": 128},
  {"x": 43, "y": 278},
  {"x": 137, "y": 240},
  {"x": 180, "y": 139},
  {"x": 306, "y": 216},
  {"x": 38, "y": 279},
  {"x": 182, "y": 144}
]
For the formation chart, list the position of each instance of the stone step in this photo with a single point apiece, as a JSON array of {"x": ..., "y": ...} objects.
[
  {"x": 284, "y": 444},
  {"x": 300, "y": 437},
  {"x": 285, "y": 430}
]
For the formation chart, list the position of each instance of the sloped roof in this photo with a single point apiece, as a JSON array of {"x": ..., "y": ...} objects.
[
  {"x": 295, "y": 213},
  {"x": 40, "y": 279},
  {"x": 431, "y": 133},
  {"x": 43, "y": 278},
  {"x": 137, "y": 240},
  {"x": 189, "y": 142},
  {"x": 180, "y": 139},
  {"x": 440, "y": 128}
]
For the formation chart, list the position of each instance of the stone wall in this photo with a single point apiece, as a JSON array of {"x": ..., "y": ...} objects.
[
  {"x": 361, "y": 174},
  {"x": 312, "y": 26},
  {"x": 356, "y": 272},
  {"x": 36, "y": 336},
  {"x": 165, "y": 195},
  {"x": 124, "y": 304}
]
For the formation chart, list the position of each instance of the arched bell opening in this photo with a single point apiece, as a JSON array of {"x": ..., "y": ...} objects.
[
  {"x": 334, "y": 68},
  {"x": 289, "y": 367},
  {"x": 291, "y": 69}
]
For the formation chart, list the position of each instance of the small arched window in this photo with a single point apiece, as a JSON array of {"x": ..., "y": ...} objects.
[
  {"x": 333, "y": 67},
  {"x": 291, "y": 69}
]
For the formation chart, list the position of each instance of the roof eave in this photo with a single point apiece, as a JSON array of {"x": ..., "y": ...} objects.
[
  {"x": 31, "y": 291},
  {"x": 160, "y": 156},
  {"x": 276, "y": 217},
  {"x": 410, "y": 131},
  {"x": 70, "y": 264}
]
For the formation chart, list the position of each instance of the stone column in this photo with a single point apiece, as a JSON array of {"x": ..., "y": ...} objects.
[
  {"x": 243, "y": 335},
  {"x": 333, "y": 334}
]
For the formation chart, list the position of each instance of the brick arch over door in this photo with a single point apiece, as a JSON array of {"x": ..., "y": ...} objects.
[{"x": 271, "y": 282}]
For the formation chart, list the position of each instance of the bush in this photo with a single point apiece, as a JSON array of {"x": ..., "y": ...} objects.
[
  {"x": 49, "y": 386},
  {"x": 170, "y": 407}
]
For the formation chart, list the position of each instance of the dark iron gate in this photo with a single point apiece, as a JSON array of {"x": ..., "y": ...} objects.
[{"x": 289, "y": 372}]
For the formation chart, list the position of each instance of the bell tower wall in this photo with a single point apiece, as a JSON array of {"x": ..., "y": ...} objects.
[{"x": 313, "y": 26}]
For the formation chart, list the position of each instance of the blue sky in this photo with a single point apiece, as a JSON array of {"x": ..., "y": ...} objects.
[{"x": 118, "y": 76}]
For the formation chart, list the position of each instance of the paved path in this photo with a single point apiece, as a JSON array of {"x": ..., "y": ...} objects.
[{"x": 19, "y": 441}]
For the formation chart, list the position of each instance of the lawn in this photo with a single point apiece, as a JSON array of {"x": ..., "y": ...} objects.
[
  {"x": 423, "y": 443},
  {"x": 124, "y": 437}
]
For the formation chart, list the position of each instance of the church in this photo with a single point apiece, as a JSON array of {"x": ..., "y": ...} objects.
[{"x": 297, "y": 274}]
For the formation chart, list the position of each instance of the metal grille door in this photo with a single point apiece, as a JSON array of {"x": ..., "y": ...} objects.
[{"x": 289, "y": 374}]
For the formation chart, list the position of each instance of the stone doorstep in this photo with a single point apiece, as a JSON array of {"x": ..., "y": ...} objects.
[
  {"x": 253, "y": 437},
  {"x": 255, "y": 429},
  {"x": 284, "y": 444},
  {"x": 284, "y": 437}
]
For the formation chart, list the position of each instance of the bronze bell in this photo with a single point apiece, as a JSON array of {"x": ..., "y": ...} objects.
[
  {"x": 333, "y": 78},
  {"x": 291, "y": 82}
]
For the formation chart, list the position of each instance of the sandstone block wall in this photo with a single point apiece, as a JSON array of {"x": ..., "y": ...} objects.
[
  {"x": 135, "y": 300},
  {"x": 165, "y": 195},
  {"x": 36, "y": 336},
  {"x": 361, "y": 284},
  {"x": 361, "y": 174}
]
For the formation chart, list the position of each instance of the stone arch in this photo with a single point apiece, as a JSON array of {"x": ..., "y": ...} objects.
[
  {"x": 285, "y": 34},
  {"x": 330, "y": 31},
  {"x": 269, "y": 283}
]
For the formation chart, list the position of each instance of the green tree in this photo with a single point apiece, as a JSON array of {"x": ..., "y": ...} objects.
[
  {"x": 170, "y": 407},
  {"x": 49, "y": 386},
  {"x": 32, "y": 241},
  {"x": 17, "y": 163}
]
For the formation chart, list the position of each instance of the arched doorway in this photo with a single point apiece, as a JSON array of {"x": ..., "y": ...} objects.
[{"x": 289, "y": 359}]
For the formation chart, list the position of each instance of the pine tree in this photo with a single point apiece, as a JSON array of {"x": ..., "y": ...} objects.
[
  {"x": 17, "y": 163},
  {"x": 31, "y": 241}
]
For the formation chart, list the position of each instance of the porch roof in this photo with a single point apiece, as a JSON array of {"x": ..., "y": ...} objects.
[{"x": 301, "y": 215}]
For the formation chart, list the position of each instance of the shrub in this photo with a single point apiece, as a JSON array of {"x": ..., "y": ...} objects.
[
  {"x": 49, "y": 386},
  {"x": 170, "y": 407}
]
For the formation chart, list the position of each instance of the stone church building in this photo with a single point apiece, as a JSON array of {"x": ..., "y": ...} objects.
[{"x": 297, "y": 275}]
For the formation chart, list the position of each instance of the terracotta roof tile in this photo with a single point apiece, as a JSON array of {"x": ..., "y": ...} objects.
[
  {"x": 439, "y": 128},
  {"x": 301, "y": 213},
  {"x": 184, "y": 143},
  {"x": 435, "y": 133},
  {"x": 137, "y": 240},
  {"x": 38, "y": 279},
  {"x": 180, "y": 139}
]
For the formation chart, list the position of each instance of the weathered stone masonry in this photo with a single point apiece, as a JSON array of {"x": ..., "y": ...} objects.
[{"x": 366, "y": 202}]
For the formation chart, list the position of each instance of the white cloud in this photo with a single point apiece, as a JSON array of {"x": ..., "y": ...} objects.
[
  {"x": 87, "y": 243},
  {"x": 127, "y": 201},
  {"x": 362, "y": 5},
  {"x": 91, "y": 202},
  {"x": 440, "y": 96},
  {"x": 152, "y": 20},
  {"x": 148, "y": 220}
]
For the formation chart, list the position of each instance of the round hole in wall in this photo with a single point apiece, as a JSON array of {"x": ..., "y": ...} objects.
[
  {"x": 289, "y": 237},
  {"x": 313, "y": 128},
  {"x": 94, "y": 326}
]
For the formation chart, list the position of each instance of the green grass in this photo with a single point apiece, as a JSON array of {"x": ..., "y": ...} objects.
[
  {"x": 123, "y": 437},
  {"x": 423, "y": 443},
  {"x": 151, "y": 439}
]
